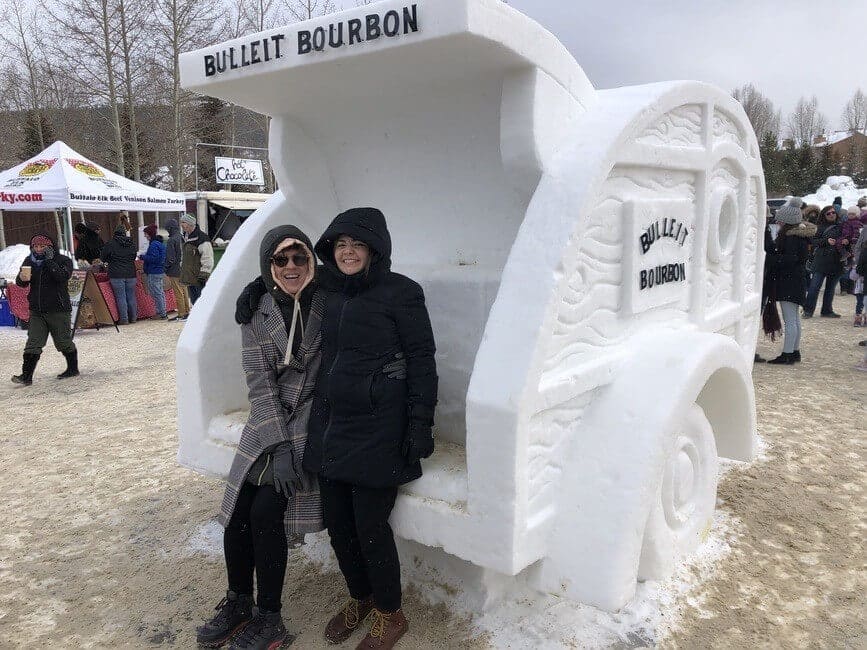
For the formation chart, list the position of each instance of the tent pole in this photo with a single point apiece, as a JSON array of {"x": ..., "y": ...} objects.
[
  {"x": 61, "y": 240},
  {"x": 2, "y": 231},
  {"x": 70, "y": 241}
]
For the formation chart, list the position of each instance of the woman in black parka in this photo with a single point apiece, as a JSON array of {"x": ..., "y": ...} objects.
[
  {"x": 785, "y": 263},
  {"x": 372, "y": 415},
  {"x": 827, "y": 263}
]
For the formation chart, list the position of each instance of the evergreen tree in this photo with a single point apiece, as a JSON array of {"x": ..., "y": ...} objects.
[
  {"x": 209, "y": 126},
  {"x": 770, "y": 154},
  {"x": 30, "y": 146},
  {"x": 802, "y": 181}
]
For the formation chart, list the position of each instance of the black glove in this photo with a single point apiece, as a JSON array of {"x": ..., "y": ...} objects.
[
  {"x": 418, "y": 441},
  {"x": 397, "y": 368},
  {"x": 248, "y": 301},
  {"x": 49, "y": 252},
  {"x": 286, "y": 470}
]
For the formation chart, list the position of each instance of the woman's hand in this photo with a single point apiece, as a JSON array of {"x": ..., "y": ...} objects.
[
  {"x": 418, "y": 442},
  {"x": 286, "y": 472},
  {"x": 832, "y": 241}
]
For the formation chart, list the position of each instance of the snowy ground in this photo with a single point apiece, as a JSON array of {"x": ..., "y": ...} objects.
[{"x": 106, "y": 542}]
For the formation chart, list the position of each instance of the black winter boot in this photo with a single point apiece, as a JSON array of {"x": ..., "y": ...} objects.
[
  {"x": 71, "y": 366},
  {"x": 27, "y": 368},
  {"x": 796, "y": 356},
  {"x": 234, "y": 612},
  {"x": 785, "y": 359},
  {"x": 265, "y": 632}
]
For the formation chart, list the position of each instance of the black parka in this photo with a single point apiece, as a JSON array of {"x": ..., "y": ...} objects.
[
  {"x": 120, "y": 253},
  {"x": 827, "y": 258},
  {"x": 786, "y": 262},
  {"x": 360, "y": 415},
  {"x": 90, "y": 244},
  {"x": 49, "y": 283}
]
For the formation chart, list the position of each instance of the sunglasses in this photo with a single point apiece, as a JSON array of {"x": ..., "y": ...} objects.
[{"x": 298, "y": 259}]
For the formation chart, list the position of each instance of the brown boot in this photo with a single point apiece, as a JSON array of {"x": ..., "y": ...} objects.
[
  {"x": 385, "y": 630},
  {"x": 347, "y": 620}
]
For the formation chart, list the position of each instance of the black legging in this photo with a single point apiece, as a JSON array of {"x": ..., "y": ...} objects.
[
  {"x": 256, "y": 539},
  {"x": 357, "y": 521}
]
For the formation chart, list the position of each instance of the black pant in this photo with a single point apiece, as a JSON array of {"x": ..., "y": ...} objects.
[
  {"x": 357, "y": 521},
  {"x": 256, "y": 539}
]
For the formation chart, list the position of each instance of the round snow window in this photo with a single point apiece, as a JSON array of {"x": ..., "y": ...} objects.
[
  {"x": 723, "y": 227},
  {"x": 727, "y": 225}
]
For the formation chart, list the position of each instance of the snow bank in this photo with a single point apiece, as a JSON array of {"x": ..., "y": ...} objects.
[
  {"x": 11, "y": 259},
  {"x": 834, "y": 186}
]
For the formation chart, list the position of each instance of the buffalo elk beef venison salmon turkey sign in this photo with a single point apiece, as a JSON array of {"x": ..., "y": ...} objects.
[{"x": 591, "y": 261}]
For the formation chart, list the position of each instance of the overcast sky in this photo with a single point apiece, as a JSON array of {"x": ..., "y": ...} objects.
[{"x": 786, "y": 48}]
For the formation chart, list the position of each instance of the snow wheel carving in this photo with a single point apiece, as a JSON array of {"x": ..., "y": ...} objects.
[{"x": 684, "y": 506}]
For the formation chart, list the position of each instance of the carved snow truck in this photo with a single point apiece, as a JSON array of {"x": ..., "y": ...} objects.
[{"x": 591, "y": 261}]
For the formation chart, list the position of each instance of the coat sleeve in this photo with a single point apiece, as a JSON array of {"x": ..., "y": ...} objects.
[
  {"x": 207, "y": 253},
  {"x": 417, "y": 340},
  {"x": 793, "y": 254},
  {"x": 59, "y": 268},
  {"x": 267, "y": 413},
  {"x": 105, "y": 255}
]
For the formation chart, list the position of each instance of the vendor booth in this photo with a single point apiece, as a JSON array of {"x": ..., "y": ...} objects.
[{"x": 59, "y": 179}]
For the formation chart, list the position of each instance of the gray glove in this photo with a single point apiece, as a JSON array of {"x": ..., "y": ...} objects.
[
  {"x": 49, "y": 252},
  {"x": 286, "y": 473},
  {"x": 396, "y": 369}
]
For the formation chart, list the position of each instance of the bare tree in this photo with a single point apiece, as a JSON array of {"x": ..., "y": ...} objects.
[
  {"x": 806, "y": 122},
  {"x": 133, "y": 25},
  {"x": 88, "y": 28},
  {"x": 182, "y": 25},
  {"x": 21, "y": 37},
  {"x": 855, "y": 113},
  {"x": 759, "y": 109},
  {"x": 306, "y": 9}
]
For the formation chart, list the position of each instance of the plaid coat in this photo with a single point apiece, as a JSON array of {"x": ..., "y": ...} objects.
[{"x": 280, "y": 400}]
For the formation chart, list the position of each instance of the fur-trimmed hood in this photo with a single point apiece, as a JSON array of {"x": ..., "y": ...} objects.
[{"x": 803, "y": 229}]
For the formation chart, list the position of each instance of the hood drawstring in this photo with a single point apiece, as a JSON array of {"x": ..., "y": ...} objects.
[{"x": 296, "y": 318}]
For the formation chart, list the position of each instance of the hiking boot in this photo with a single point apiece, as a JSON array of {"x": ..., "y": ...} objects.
[
  {"x": 28, "y": 366},
  {"x": 265, "y": 632},
  {"x": 234, "y": 612},
  {"x": 796, "y": 356},
  {"x": 347, "y": 620},
  {"x": 757, "y": 358},
  {"x": 71, "y": 366},
  {"x": 385, "y": 630},
  {"x": 830, "y": 314},
  {"x": 807, "y": 314},
  {"x": 785, "y": 359}
]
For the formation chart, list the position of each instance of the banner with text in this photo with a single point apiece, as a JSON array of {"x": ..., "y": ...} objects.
[{"x": 239, "y": 171}]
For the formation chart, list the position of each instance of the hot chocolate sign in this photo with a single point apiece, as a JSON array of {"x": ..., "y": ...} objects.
[{"x": 658, "y": 237}]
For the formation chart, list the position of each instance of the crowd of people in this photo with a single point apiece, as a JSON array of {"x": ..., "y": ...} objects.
[
  {"x": 807, "y": 246},
  {"x": 184, "y": 262}
]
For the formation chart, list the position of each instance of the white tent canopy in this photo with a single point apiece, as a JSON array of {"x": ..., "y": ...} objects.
[{"x": 58, "y": 177}]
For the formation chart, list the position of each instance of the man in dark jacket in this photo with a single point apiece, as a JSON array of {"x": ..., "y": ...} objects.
[
  {"x": 90, "y": 244},
  {"x": 174, "y": 256},
  {"x": 47, "y": 273},
  {"x": 119, "y": 254}
]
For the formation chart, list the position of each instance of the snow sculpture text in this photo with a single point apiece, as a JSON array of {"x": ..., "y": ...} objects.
[{"x": 590, "y": 260}]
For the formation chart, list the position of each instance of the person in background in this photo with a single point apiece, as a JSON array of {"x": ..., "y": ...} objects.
[
  {"x": 90, "y": 244},
  {"x": 268, "y": 495},
  {"x": 786, "y": 257},
  {"x": 837, "y": 204},
  {"x": 827, "y": 264},
  {"x": 119, "y": 254},
  {"x": 197, "y": 261},
  {"x": 174, "y": 254},
  {"x": 47, "y": 273},
  {"x": 850, "y": 232},
  {"x": 859, "y": 270},
  {"x": 155, "y": 269},
  {"x": 811, "y": 212}
]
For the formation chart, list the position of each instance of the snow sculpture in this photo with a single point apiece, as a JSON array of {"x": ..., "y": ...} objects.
[{"x": 591, "y": 264}]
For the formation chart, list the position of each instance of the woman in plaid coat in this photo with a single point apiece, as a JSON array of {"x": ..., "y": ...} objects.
[{"x": 269, "y": 495}]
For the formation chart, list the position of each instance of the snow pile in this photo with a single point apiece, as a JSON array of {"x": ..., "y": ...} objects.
[
  {"x": 11, "y": 259},
  {"x": 834, "y": 186}
]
